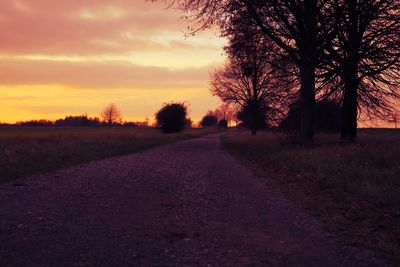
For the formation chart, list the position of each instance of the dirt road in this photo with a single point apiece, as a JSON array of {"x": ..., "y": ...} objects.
[{"x": 184, "y": 204}]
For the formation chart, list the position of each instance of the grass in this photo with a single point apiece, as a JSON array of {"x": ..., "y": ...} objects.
[
  {"x": 26, "y": 151},
  {"x": 354, "y": 190}
]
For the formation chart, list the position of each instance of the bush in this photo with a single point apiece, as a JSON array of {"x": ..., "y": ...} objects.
[
  {"x": 253, "y": 116},
  {"x": 171, "y": 118},
  {"x": 222, "y": 124},
  {"x": 327, "y": 119},
  {"x": 209, "y": 120}
]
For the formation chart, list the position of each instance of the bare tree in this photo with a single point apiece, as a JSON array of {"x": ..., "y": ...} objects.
[
  {"x": 111, "y": 114},
  {"x": 291, "y": 25},
  {"x": 249, "y": 81},
  {"x": 394, "y": 117},
  {"x": 225, "y": 112},
  {"x": 362, "y": 51},
  {"x": 351, "y": 45}
]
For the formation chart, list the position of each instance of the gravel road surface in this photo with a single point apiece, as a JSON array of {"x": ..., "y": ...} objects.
[{"x": 183, "y": 204}]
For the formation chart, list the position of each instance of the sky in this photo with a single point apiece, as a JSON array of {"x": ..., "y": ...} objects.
[{"x": 72, "y": 57}]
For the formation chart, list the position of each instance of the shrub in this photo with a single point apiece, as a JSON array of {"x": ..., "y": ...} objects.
[
  {"x": 223, "y": 124},
  {"x": 209, "y": 120},
  {"x": 253, "y": 116},
  {"x": 171, "y": 118},
  {"x": 327, "y": 119}
]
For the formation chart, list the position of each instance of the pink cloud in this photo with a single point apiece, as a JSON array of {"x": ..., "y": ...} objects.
[
  {"x": 84, "y": 27},
  {"x": 100, "y": 75}
]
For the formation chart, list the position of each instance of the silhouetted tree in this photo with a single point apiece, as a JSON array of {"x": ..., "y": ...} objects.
[
  {"x": 292, "y": 26},
  {"x": 362, "y": 50},
  {"x": 253, "y": 117},
  {"x": 343, "y": 48},
  {"x": 111, "y": 115},
  {"x": 130, "y": 124},
  {"x": 327, "y": 118},
  {"x": 249, "y": 81},
  {"x": 171, "y": 118},
  {"x": 394, "y": 117},
  {"x": 223, "y": 124},
  {"x": 225, "y": 112},
  {"x": 36, "y": 123},
  {"x": 209, "y": 120},
  {"x": 78, "y": 121}
]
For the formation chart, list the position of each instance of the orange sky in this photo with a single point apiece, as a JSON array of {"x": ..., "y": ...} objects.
[{"x": 76, "y": 56}]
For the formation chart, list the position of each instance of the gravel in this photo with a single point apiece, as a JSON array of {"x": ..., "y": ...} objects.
[{"x": 183, "y": 204}]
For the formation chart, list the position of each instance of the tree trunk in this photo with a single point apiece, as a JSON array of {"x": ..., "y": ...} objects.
[
  {"x": 350, "y": 76},
  {"x": 350, "y": 108},
  {"x": 307, "y": 77},
  {"x": 254, "y": 119},
  {"x": 307, "y": 68}
]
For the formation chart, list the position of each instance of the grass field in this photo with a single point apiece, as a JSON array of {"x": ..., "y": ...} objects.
[
  {"x": 353, "y": 189},
  {"x": 29, "y": 150}
]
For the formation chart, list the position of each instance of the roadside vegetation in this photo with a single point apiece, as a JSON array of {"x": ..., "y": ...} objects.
[
  {"x": 354, "y": 190},
  {"x": 30, "y": 150}
]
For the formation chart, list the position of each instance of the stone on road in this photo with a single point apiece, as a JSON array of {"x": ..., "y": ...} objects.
[{"x": 183, "y": 204}]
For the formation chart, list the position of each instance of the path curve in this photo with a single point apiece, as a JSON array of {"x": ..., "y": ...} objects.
[{"x": 183, "y": 204}]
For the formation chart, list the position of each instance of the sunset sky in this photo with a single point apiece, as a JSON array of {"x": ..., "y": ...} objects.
[{"x": 76, "y": 56}]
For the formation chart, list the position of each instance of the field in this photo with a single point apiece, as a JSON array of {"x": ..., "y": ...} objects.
[
  {"x": 354, "y": 190},
  {"x": 30, "y": 150}
]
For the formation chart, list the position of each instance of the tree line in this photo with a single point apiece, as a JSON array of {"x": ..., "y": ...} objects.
[
  {"x": 109, "y": 117},
  {"x": 286, "y": 53}
]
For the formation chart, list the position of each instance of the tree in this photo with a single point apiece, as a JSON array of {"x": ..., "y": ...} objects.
[
  {"x": 327, "y": 118},
  {"x": 292, "y": 26},
  {"x": 394, "y": 117},
  {"x": 249, "y": 81},
  {"x": 362, "y": 51},
  {"x": 223, "y": 124},
  {"x": 343, "y": 48},
  {"x": 254, "y": 117},
  {"x": 111, "y": 114},
  {"x": 225, "y": 112},
  {"x": 78, "y": 121},
  {"x": 172, "y": 117},
  {"x": 209, "y": 120}
]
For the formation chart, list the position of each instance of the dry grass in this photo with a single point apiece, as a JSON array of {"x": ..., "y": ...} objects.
[
  {"x": 29, "y": 150},
  {"x": 353, "y": 189}
]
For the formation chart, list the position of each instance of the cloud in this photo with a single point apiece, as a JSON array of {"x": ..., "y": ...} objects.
[
  {"x": 100, "y": 74},
  {"x": 74, "y": 27}
]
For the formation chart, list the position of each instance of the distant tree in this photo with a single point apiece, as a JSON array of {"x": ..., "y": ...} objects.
[
  {"x": 209, "y": 120},
  {"x": 172, "y": 117},
  {"x": 223, "y": 123},
  {"x": 249, "y": 81},
  {"x": 111, "y": 115},
  {"x": 130, "y": 124},
  {"x": 36, "y": 123},
  {"x": 292, "y": 26},
  {"x": 78, "y": 121},
  {"x": 394, "y": 118},
  {"x": 225, "y": 112}
]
